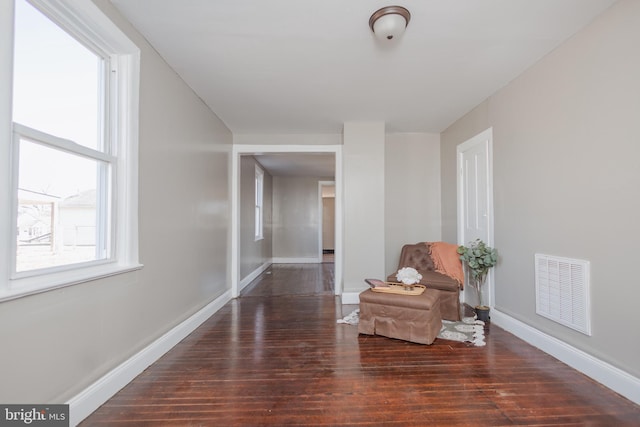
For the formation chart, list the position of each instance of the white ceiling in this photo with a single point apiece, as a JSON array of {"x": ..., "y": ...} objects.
[{"x": 294, "y": 66}]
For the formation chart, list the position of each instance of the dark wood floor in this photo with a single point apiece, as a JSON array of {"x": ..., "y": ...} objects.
[{"x": 276, "y": 356}]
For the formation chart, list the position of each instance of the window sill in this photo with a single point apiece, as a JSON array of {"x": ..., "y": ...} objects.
[{"x": 19, "y": 288}]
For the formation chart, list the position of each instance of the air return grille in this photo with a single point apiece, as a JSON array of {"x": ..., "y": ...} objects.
[{"x": 562, "y": 291}]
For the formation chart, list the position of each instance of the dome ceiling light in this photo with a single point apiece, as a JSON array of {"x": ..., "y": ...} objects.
[{"x": 389, "y": 22}]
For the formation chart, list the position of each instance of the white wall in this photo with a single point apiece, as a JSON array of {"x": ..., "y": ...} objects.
[
  {"x": 566, "y": 179},
  {"x": 59, "y": 342},
  {"x": 412, "y": 192},
  {"x": 364, "y": 203},
  {"x": 296, "y": 218}
]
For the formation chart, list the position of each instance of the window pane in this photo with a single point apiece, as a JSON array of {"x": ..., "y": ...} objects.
[
  {"x": 258, "y": 227},
  {"x": 259, "y": 190},
  {"x": 57, "y": 81},
  {"x": 59, "y": 198}
]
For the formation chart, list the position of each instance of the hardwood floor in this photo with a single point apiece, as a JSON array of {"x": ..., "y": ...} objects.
[
  {"x": 293, "y": 279},
  {"x": 276, "y": 356}
]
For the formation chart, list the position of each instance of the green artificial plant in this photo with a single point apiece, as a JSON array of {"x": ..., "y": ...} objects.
[{"x": 479, "y": 258}]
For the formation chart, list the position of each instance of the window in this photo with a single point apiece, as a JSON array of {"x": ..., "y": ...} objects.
[
  {"x": 73, "y": 150},
  {"x": 259, "y": 204}
]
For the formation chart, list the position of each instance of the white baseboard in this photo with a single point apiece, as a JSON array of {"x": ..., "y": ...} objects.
[
  {"x": 255, "y": 273},
  {"x": 608, "y": 375},
  {"x": 91, "y": 398},
  {"x": 351, "y": 298},
  {"x": 312, "y": 260}
]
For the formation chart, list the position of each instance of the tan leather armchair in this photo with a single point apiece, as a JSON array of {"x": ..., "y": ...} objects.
[{"x": 418, "y": 256}]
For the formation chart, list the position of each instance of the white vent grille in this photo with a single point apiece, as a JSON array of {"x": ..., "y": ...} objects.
[{"x": 562, "y": 291}]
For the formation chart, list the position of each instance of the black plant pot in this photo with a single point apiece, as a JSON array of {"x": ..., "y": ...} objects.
[{"x": 482, "y": 313}]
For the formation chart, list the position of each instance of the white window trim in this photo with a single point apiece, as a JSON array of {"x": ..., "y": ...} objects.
[
  {"x": 259, "y": 203},
  {"x": 85, "y": 20},
  {"x": 62, "y": 145}
]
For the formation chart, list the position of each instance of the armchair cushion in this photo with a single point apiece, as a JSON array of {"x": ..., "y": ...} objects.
[
  {"x": 439, "y": 281},
  {"x": 419, "y": 256}
]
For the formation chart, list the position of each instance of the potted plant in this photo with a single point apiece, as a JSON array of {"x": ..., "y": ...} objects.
[{"x": 479, "y": 258}]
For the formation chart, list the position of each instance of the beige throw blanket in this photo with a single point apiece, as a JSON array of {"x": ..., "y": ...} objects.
[{"x": 447, "y": 261}]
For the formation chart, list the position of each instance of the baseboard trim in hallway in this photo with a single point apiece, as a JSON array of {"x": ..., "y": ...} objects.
[
  {"x": 608, "y": 375},
  {"x": 254, "y": 275},
  {"x": 351, "y": 298},
  {"x": 90, "y": 399}
]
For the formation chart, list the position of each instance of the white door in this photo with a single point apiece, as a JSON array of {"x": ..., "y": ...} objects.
[{"x": 475, "y": 202}]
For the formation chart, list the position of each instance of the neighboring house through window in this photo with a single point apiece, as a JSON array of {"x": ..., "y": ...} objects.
[{"x": 73, "y": 149}]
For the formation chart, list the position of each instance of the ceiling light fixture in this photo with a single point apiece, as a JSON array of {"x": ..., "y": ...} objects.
[{"x": 389, "y": 22}]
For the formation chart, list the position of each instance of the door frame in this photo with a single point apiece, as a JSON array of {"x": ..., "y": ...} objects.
[
  {"x": 485, "y": 137},
  {"x": 233, "y": 254}
]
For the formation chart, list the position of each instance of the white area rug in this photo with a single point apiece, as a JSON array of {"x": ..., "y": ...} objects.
[
  {"x": 468, "y": 330},
  {"x": 351, "y": 319}
]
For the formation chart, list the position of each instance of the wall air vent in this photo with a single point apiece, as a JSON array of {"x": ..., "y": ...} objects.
[{"x": 562, "y": 291}]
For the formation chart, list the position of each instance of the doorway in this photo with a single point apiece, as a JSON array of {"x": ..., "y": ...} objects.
[
  {"x": 240, "y": 150},
  {"x": 475, "y": 200}
]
